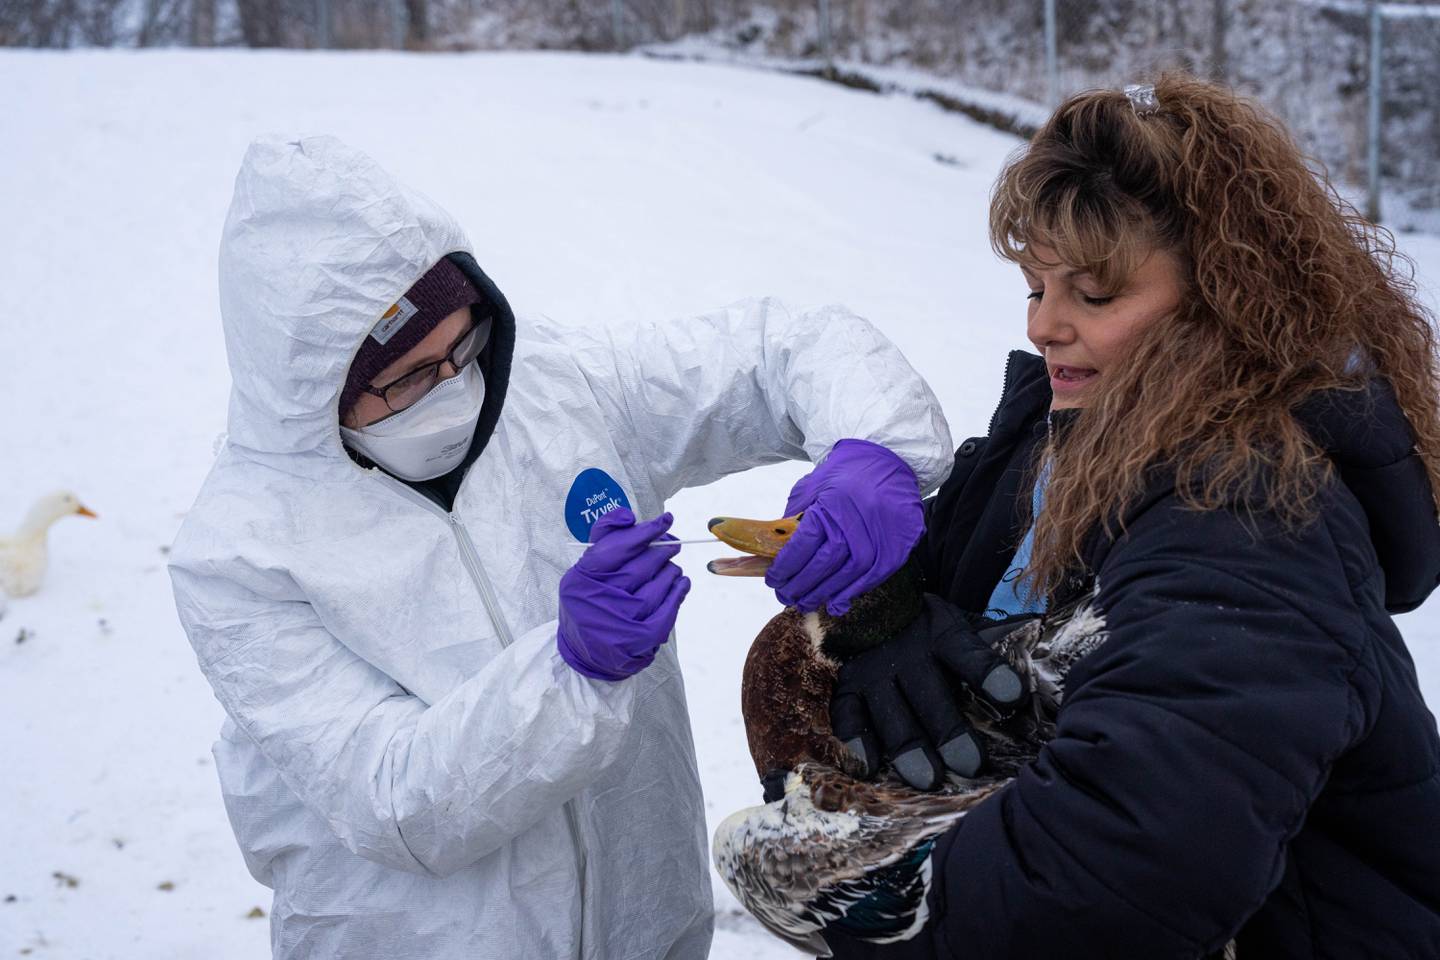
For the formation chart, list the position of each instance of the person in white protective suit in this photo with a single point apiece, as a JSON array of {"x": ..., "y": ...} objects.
[{"x": 408, "y": 760}]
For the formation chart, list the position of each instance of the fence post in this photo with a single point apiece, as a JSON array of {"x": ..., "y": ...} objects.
[
  {"x": 617, "y": 23},
  {"x": 1052, "y": 57},
  {"x": 1372, "y": 210},
  {"x": 322, "y": 24},
  {"x": 825, "y": 50},
  {"x": 397, "y": 24}
]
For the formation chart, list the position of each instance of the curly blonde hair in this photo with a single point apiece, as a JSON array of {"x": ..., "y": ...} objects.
[{"x": 1288, "y": 291}]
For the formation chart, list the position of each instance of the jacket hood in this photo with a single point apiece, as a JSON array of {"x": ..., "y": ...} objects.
[
  {"x": 318, "y": 243},
  {"x": 1370, "y": 441},
  {"x": 1366, "y": 436}
]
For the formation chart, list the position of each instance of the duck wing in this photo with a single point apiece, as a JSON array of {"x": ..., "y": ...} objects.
[{"x": 838, "y": 854}]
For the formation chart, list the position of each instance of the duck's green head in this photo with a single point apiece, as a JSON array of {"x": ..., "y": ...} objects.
[{"x": 873, "y": 617}]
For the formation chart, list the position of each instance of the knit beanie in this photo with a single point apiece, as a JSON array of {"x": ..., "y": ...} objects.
[{"x": 443, "y": 290}]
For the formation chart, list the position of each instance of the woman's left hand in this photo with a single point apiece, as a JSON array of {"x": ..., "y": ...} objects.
[{"x": 862, "y": 517}]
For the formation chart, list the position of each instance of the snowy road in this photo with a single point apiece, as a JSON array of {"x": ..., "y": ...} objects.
[{"x": 594, "y": 189}]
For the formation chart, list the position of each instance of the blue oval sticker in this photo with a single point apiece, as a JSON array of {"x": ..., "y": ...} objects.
[{"x": 593, "y": 494}]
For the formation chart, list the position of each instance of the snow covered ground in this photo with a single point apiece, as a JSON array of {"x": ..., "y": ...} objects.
[{"x": 595, "y": 189}]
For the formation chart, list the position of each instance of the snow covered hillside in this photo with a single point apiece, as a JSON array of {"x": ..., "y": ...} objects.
[{"x": 594, "y": 189}]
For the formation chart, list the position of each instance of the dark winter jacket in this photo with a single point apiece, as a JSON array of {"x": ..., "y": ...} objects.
[{"x": 1247, "y": 756}]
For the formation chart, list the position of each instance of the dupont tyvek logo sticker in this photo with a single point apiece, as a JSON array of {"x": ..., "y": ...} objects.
[{"x": 593, "y": 494}]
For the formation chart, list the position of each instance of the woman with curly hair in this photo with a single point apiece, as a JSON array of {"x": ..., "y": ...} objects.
[{"x": 1224, "y": 456}]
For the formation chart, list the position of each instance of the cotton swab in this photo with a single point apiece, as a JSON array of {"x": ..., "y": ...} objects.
[{"x": 667, "y": 543}]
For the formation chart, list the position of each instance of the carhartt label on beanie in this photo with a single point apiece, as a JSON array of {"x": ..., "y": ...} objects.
[
  {"x": 395, "y": 318},
  {"x": 443, "y": 290}
]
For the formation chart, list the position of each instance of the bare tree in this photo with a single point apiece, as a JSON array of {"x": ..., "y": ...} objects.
[
  {"x": 61, "y": 23},
  {"x": 202, "y": 23},
  {"x": 417, "y": 24},
  {"x": 39, "y": 23},
  {"x": 1219, "y": 29},
  {"x": 162, "y": 21},
  {"x": 260, "y": 22}
]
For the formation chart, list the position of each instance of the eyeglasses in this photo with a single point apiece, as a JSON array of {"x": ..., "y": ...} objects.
[{"x": 405, "y": 391}]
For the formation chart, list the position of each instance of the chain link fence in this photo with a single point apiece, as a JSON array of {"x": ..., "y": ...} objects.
[{"x": 1358, "y": 82}]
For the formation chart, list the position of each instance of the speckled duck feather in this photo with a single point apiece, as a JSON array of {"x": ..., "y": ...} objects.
[{"x": 835, "y": 852}]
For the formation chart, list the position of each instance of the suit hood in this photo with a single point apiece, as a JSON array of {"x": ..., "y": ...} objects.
[{"x": 318, "y": 243}]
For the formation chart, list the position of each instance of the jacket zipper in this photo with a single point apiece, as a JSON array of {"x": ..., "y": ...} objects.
[
  {"x": 471, "y": 558},
  {"x": 1004, "y": 392}
]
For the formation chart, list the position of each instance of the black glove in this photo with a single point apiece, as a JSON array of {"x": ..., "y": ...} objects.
[{"x": 907, "y": 692}]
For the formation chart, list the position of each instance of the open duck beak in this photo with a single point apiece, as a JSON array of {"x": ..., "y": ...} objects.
[
  {"x": 761, "y": 539},
  {"x": 86, "y": 512}
]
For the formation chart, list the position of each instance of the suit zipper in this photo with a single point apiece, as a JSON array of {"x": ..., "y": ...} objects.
[
  {"x": 488, "y": 596},
  {"x": 471, "y": 558},
  {"x": 492, "y": 604}
]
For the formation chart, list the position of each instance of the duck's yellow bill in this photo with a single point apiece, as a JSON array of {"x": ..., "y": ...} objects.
[
  {"x": 761, "y": 539},
  {"x": 86, "y": 512}
]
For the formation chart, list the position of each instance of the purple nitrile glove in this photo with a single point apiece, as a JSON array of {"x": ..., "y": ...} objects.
[
  {"x": 618, "y": 602},
  {"x": 862, "y": 519}
]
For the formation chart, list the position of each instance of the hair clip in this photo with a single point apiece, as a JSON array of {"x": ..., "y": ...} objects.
[{"x": 1142, "y": 99}]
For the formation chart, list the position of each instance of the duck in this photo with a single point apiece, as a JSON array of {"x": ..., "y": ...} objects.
[
  {"x": 23, "y": 556},
  {"x": 828, "y": 851}
]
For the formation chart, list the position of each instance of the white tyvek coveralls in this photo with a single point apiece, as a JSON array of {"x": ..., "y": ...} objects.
[{"x": 407, "y": 760}]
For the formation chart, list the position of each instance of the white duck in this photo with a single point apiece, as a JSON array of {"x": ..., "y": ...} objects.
[{"x": 23, "y": 556}]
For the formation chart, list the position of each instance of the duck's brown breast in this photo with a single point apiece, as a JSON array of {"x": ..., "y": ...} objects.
[{"x": 785, "y": 699}]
